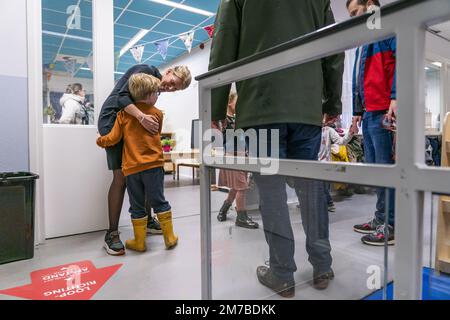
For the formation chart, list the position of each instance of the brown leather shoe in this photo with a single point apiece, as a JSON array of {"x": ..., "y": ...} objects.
[
  {"x": 286, "y": 289},
  {"x": 321, "y": 281}
]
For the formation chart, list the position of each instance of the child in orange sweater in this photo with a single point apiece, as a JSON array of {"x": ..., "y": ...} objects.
[{"x": 142, "y": 163}]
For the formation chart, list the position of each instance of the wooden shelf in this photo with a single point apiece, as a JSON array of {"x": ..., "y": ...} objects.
[
  {"x": 445, "y": 260},
  {"x": 444, "y": 265},
  {"x": 446, "y": 206}
]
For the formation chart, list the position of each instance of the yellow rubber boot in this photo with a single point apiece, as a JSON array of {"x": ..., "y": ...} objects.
[
  {"x": 140, "y": 233},
  {"x": 165, "y": 219}
]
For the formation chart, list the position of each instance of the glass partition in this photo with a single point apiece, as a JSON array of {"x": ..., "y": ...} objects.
[
  {"x": 67, "y": 62},
  {"x": 304, "y": 236}
]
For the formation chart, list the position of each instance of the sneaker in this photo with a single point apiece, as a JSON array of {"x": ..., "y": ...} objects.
[
  {"x": 367, "y": 228},
  {"x": 378, "y": 237},
  {"x": 113, "y": 245},
  {"x": 331, "y": 207},
  {"x": 286, "y": 289},
  {"x": 153, "y": 226},
  {"x": 322, "y": 280}
]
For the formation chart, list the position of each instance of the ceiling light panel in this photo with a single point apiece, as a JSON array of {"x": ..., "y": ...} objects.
[{"x": 184, "y": 7}]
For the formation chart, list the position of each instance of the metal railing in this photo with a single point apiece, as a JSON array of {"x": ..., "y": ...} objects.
[{"x": 408, "y": 21}]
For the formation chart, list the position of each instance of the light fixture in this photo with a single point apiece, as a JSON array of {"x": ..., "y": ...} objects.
[
  {"x": 184, "y": 7},
  {"x": 133, "y": 41},
  {"x": 87, "y": 69},
  {"x": 67, "y": 36},
  {"x": 437, "y": 64}
]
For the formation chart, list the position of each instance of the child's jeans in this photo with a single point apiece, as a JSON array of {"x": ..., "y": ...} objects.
[{"x": 148, "y": 185}]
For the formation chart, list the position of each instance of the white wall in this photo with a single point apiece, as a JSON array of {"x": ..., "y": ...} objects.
[
  {"x": 433, "y": 96},
  {"x": 438, "y": 49},
  {"x": 13, "y": 36},
  {"x": 14, "y": 155}
]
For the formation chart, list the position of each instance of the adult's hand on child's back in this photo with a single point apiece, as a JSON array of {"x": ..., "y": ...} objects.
[{"x": 151, "y": 124}]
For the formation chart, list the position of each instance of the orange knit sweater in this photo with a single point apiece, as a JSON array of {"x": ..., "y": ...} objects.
[{"x": 141, "y": 151}]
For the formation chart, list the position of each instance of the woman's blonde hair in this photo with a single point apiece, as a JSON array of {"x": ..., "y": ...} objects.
[
  {"x": 74, "y": 88},
  {"x": 184, "y": 74},
  {"x": 142, "y": 85}
]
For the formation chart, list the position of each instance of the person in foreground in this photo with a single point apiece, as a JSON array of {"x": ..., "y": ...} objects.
[{"x": 142, "y": 163}]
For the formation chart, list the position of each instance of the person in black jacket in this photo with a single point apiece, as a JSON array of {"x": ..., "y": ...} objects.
[{"x": 174, "y": 79}]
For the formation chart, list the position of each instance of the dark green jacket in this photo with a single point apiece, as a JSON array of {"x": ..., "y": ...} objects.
[{"x": 299, "y": 94}]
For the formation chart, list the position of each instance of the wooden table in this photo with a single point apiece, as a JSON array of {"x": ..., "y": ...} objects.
[{"x": 190, "y": 163}]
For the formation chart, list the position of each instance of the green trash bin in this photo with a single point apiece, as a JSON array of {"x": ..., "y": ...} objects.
[{"x": 17, "y": 216}]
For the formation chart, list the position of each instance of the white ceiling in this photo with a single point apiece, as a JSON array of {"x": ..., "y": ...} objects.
[{"x": 443, "y": 29}]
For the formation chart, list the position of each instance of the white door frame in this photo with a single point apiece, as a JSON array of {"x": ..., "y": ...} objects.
[
  {"x": 103, "y": 48},
  {"x": 35, "y": 110}
]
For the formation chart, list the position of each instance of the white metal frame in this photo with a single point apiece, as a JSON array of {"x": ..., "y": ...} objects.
[{"x": 409, "y": 176}]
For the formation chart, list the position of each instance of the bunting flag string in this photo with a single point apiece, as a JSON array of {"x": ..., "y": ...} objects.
[
  {"x": 90, "y": 62},
  {"x": 188, "y": 39},
  {"x": 70, "y": 65},
  {"x": 162, "y": 47},
  {"x": 137, "y": 53},
  {"x": 210, "y": 30}
]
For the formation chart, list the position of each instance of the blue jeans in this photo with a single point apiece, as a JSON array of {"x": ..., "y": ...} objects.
[
  {"x": 378, "y": 148},
  {"x": 297, "y": 141},
  {"x": 148, "y": 185},
  {"x": 328, "y": 193}
]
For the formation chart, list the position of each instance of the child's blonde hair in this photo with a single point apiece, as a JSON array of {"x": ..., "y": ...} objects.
[
  {"x": 184, "y": 74},
  {"x": 142, "y": 85}
]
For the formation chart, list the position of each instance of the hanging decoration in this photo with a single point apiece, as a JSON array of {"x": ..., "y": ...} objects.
[
  {"x": 188, "y": 39},
  {"x": 48, "y": 70},
  {"x": 162, "y": 47},
  {"x": 70, "y": 65},
  {"x": 137, "y": 53},
  {"x": 209, "y": 30},
  {"x": 90, "y": 63}
]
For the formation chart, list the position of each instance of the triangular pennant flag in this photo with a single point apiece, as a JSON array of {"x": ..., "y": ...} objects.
[
  {"x": 162, "y": 47},
  {"x": 188, "y": 39},
  {"x": 210, "y": 30},
  {"x": 70, "y": 65},
  {"x": 137, "y": 53},
  {"x": 90, "y": 62}
]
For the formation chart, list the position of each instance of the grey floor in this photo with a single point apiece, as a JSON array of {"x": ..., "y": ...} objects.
[{"x": 175, "y": 274}]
